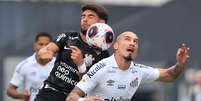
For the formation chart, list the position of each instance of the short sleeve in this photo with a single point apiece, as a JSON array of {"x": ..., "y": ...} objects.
[
  {"x": 91, "y": 79},
  {"x": 18, "y": 77},
  {"x": 149, "y": 74},
  {"x": 60, "y": 40},
  {"x": 86, "y": 84},
  {"x": 104, "y": 54}
]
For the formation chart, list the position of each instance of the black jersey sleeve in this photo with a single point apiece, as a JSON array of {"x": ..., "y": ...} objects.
[
  {"x": 60, "y": 40},
  {"x": 104, "y": 54},
  {"x": 66, "y": 39}
]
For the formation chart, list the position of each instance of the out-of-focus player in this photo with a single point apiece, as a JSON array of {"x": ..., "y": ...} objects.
[{"x": 31, "y": 72}]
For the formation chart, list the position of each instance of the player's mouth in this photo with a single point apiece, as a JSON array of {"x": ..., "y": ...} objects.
[
  {"x": 85, "y": 25},
  {"x": 130, "y": 50}
]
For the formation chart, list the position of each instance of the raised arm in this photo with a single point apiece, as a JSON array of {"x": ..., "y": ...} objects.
[
  {"x": 171, "y": 73},
  {"x": 46, "y": 54}
]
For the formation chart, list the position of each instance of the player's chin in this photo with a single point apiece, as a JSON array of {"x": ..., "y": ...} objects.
[
  {"x": 128, "y": 57},
  {"x": 85, "y": 27}
]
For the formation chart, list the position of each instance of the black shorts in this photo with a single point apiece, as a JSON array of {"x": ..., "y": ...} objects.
[{"x": 49, "y": 94}]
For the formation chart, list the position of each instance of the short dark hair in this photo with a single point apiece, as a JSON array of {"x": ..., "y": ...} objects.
[
  {"x": 43, "y": 34},
  {"x": 99, "y": 9}
]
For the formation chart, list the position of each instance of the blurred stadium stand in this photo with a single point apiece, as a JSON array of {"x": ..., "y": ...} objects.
[{"x": 161, "y": 29}]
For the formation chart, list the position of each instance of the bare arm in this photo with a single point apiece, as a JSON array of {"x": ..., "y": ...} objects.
[
  {"x": 12, "y": 92},
  {"x": 170, "y": 74},
  {"x": 46, "y": 54},
  {"x": 76, "y": 95}
]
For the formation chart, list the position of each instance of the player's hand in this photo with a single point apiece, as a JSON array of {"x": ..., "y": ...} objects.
[
  {"x": 27, "y": 95},
  {"x": 182, "y": 55},
  {"x": 94, "y": 98},
  {"x": 45, "y": 55},
  {"x": 76, "y": 55}
]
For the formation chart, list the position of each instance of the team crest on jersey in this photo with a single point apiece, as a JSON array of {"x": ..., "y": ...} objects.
[
  {"x": 60, "y": 36},
  {"x": 88, "y": 59},
  {"x": 134, "y": 83}
]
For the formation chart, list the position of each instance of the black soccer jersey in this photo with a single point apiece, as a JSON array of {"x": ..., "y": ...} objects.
[{"x": 64, "y": 75}]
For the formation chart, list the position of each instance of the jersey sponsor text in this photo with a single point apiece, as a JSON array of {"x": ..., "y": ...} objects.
[
  {"x": 98, "y": 67},
  {"x": 63, "y": 71},
  {"x": 118, "y": 99}
]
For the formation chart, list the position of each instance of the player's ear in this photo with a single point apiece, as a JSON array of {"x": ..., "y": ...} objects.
[{"x": 115, "y": 46}]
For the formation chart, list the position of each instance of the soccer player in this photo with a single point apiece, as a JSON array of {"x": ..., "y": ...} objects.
[
  {"x": 117, "y": 77},
  {"x": 31, "y": 72},
  {"x": 74, "y": 56}
]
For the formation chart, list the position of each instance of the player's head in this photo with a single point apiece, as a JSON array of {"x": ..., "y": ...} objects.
[
  {"x": 126, "y": 45},
  {"x": 92, "y": 13},
  {"x": 41, "y": 40}
]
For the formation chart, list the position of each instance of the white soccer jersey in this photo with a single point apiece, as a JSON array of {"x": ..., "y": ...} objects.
[
  {"x": 31, "y": 74},
  {"x": 107, "y": 80}
]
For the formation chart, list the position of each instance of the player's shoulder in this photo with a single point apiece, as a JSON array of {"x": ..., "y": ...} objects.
[
  {"x": 100, "y": 68},
  {"x": 24, "y": 63},
  {"x": 53, "y": 60},
  {"x": 27, "y": 60},
  {"x": 108, "y": 61},
  {"x": 71, "y": 34},
  {"x": 97, "y": 69},
  {"x": 67, "y": 35}
]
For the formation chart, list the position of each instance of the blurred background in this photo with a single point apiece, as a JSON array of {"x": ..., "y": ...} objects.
[{"x": 162, "y": 25}]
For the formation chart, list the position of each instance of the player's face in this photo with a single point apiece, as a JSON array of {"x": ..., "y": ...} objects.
[
  {"x": 42, "y": 42},
  {"x": 127, "y": 45},
  {"x": 88, "y": 18}
]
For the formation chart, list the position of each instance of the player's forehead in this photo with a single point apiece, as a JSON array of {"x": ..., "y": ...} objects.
[
  {"x": 43, "y": 39},
  {"x": 128, "y": 35},
  {"x": 89, "y": 12}
]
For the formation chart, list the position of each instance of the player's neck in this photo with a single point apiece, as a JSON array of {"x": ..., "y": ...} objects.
[
  {"x": 122, "y": 63},
  {"x": 83, "y": 36}
]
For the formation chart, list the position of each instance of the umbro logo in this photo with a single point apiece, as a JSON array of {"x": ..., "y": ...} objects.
[{"x": 110, "y": 82}]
